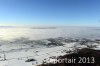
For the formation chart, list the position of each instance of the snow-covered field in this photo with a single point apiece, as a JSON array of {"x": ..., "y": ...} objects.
[{"x": 17, "y": 45}]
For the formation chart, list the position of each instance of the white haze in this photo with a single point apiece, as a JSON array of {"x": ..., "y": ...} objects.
[{"x": 44, "y": 33}]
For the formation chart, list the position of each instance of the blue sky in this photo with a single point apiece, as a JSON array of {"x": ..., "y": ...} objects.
[{"x": 50, "y": 12}]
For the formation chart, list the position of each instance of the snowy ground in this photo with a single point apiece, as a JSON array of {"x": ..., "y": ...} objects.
[{"x": 16, "y": 54}]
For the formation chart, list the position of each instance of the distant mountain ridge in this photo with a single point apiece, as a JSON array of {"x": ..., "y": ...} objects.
[{"x": 7, "y": 26}]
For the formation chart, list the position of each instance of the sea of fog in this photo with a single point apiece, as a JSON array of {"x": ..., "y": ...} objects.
[{"x": 44, "y": 33}]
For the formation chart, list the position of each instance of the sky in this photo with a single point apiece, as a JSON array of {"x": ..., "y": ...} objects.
[{"x": 50, "y": 12}]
